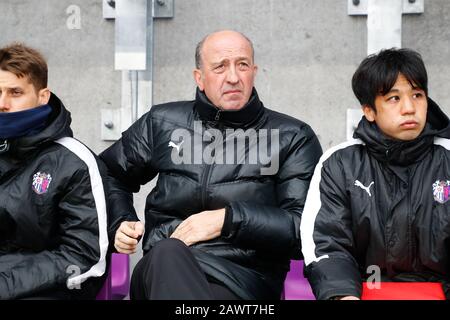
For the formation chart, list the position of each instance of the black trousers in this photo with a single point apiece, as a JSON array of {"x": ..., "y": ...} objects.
[
  {"x": 50, "y": 295},
  {"x": 169, "y": 271}
]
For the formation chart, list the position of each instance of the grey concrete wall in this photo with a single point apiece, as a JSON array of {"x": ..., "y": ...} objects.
[
  {"x": 307, "y": 51},
  {"x": 81, "y": 61}
]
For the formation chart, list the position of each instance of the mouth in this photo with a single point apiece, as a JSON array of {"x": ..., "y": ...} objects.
[
  {"x": 410, "y": 124},
  {"x": 232, "y": 91}
]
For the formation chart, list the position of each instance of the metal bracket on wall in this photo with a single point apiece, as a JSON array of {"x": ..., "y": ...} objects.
[
  {"x": 384, "y": 20},
  {"x": 109, "y": 7},
  {"x": 384, "y": 30},
  {"x": 359, "y": 7},
  {"x": 114, "y": 122},
  {"x": 162, "y": 9},
  {"x": 133, "y": 57}
]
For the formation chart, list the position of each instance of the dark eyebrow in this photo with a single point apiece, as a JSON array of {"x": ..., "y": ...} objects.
[
  {"x": 16, "y": 89},
  {"x": 397, "y": 91},
  {"x": 417, "y": 88}
]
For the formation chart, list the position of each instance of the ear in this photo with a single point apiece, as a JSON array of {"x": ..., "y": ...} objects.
[
  {"x": 255, "y": 69},
  {"x": 198, "y": 77},
  {"x": 369, "y": 113},
  {"x": 44, "y": 96}
]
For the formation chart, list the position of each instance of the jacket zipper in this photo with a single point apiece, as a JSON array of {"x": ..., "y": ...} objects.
[
  {"x": 208, "y": 171},
  {"x": 410, "y": 217},
  {"x": 205, "y": 181},
  {"x": 217, "y": 117}
]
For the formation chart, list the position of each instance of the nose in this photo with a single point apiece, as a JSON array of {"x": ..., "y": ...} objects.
[
  {"x": 4, "y": 105},
  {"x": 232, "y": 76},
  {"x": 408, "y": 106}
]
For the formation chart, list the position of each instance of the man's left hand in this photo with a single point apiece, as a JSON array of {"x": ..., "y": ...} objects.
[{"x": 202, "y": 226}]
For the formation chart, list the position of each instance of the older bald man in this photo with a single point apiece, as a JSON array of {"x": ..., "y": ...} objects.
[{"x": 223, "y": 220}]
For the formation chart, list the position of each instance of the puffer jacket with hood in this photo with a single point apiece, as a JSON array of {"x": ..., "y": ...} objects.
[
  {"x": 375, "y": 202},
  {"x": 263, "y": 209},
  {"x": 53, "y": 227}
]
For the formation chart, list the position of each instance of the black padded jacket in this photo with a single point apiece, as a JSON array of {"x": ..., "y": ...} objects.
[
  {"x": 53, "y": 227},
  {"x": 376, "y": 204},
  {"x": 263, "y": 206}
]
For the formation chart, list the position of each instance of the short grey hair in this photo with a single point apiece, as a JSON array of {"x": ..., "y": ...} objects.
[{"x": 199, "y": 48}]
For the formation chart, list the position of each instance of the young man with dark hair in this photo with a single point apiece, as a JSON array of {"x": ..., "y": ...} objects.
[
  {"x": 379, "y": 203},
  {"x": 53, "y": 228}
]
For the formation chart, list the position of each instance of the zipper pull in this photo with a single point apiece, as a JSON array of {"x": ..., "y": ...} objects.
[
  {"x": 217, "y": 117},
  {"x": 4, "y": 146}
]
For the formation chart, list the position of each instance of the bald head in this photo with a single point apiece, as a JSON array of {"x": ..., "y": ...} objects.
[{"x": 217, "y": 36}]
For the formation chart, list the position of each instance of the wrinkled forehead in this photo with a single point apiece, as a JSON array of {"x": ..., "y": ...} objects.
[{"x": 222, "y": 46}]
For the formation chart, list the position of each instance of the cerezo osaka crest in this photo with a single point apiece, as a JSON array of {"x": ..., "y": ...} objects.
[
  {"x": 41, "y": 182},
  {"x": 441, "y": 190}
]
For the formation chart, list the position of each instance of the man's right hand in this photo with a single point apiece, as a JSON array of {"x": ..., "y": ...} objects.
[{"x": 128, "y": 236}]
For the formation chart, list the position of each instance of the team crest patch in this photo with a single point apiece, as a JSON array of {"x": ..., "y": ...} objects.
[
  {"x": 41, "y": 182},
  {"x": 441, "y": 190}
]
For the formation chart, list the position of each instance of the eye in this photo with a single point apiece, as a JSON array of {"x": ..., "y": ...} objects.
[
  {"x": 418, "y": 95},
  {"x": 15, "y": 92},
  {"x": 243, "y": 65},
  {"x": 393, "y": 99},
  {"x": 219, "y": 68}
]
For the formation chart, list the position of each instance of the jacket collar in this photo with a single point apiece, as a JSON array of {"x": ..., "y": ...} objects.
[
  {"x": 13, "y": 152},
  {"x": 403, "y": 153},
  {"x": 248, "y": 116}
]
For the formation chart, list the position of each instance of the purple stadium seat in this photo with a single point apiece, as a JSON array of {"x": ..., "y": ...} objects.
[
  {"x": 120, "y": 276},
  {"x": 296, "y": 287},
  {"x": 105, "y": 291},
  {"x": 117, "y": 284}
]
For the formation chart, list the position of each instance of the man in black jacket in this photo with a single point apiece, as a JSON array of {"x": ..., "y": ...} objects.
[
  {"x": 377, "y": 208},
  {"x": 223, "y": 219},
  {"x": 53, "y": 228}
]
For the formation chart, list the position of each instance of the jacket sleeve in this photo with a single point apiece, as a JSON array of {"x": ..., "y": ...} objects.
[
  {"x": 327, "y": 238},
  {"x": 129, "y": 166},
  {"x": 80, "y": 242},
  {"x": 276, "y": 229}
]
